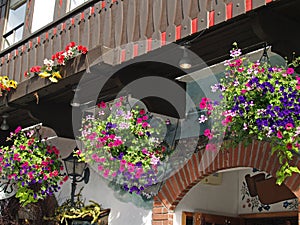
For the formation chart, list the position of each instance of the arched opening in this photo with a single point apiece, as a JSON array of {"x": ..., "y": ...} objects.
[{"x": 256, "y": 155}]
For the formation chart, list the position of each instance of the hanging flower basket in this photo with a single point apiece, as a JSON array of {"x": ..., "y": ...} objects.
[
  {"x": 123, "y": 145},
  {"x": 257, "y": 100},
  {"x": 32, "y": 164}
]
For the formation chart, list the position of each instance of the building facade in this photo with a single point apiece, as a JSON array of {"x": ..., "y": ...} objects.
[{"x": 128, "y": 40}]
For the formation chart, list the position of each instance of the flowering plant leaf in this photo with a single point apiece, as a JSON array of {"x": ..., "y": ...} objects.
[
  {"x": 258, "y": 100},
  {"x": 32, "y": 164},
  {"x": 123, "y": 145}
]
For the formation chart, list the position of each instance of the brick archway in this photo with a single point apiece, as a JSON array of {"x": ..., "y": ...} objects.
[{"x": 256, "y": 155}]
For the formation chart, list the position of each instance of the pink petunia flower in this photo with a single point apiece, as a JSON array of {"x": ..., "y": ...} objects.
[
  {"x": 207, "y": 132},
  {"x": 18, "y": 129},
  {"x": 106, "y": 173},
  {"x": 290, "y": 71},
  {"x": 211, "y": 147},
  {"x": 289, "y": 126},
  {"x": 202, "y": 105},
  {"x": 279, "y": 134}
]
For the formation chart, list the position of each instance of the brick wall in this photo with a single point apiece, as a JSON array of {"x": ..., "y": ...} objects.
[{"x": 204, "y": 163}]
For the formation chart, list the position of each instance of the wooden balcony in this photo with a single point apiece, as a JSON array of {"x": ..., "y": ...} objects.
[{"x": 131, "y": 28}]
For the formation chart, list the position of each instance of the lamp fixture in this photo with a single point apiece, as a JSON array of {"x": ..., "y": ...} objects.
[
  {"x": 77, "y": 170},
  {"x": 4, "y": 125},
  {"x": 185, "y": 62},
  {"x": 75, "y": 101}
]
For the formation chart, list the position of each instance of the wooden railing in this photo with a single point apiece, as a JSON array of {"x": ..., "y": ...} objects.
[{"x": 131, "y": 27}]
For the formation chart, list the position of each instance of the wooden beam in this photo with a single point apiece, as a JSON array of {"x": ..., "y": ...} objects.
[{"x": 269, "y": 215}]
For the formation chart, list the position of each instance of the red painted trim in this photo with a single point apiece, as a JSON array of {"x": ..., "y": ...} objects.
[
  {"x": 23, "y": 48},
  {"x": 82, "y": 16},
  {"x": 103, "y": 4},
  {"x": 178, "y": 32},
  {"x": 38, "y": 40},
  {"x": 60, "y": 3},
  {"x": 63, "y": 26},
  {"x": 46, "y": 35},
  {"x": 16, "y": 52},
  {"x": 123, "y": 55},
  {"x": 2, "y": 60},
  {"x": 194, "y": 25},
  {"x": 248, "y": 5},
  {"x": 229, "y": 10},
  {"x": 163, "y": 38},
  {"x": 72, "y": 21},
  {"x": 92, "y": 10},
  {"x": 149, "y": 44},
  {"x": 211, "y": 18},
  {"x": 268, "y": 1},
  {"x": 135, "y": 50},
  {"x": 30, "y": 44},
  {"x": 54, "y": 31}
]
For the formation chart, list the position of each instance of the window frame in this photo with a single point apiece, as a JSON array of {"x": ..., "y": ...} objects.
[{"x": 5, "y": 34}]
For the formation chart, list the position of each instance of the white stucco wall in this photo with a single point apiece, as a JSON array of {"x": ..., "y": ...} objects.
[
  {"x": 216, "y": 199},
  {"x": 126, "y": 209}
]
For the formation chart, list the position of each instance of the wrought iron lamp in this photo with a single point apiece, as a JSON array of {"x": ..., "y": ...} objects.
[{"x": 77, "y": 171}]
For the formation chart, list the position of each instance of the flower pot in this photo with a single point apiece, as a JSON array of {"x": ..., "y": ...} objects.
[{"x": 87, "y": 220}]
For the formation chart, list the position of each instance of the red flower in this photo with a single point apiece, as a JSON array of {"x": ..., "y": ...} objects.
[
  {"x": 142, "y": 112},
  {"x": 35, "y": 69},
  {"x": 228, "y": 119},
  {"x": 26, "y": 74},
  {"x": 101, "y": 105},
  {"x": 16, "y": 157},
  {"x": 82, "y": 49},
  {"x": 55, "y": 173},
  {"x": 72, "y": 44},
  {"x": 289, "y": 146}
]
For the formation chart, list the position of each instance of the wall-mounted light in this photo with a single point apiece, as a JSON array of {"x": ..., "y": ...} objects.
[
  {"x": 4, "y": 125},
  {"x": 77, "y": 170},
  {"x": 75, "y": 101},
  {"x": 185, "y": 62}
]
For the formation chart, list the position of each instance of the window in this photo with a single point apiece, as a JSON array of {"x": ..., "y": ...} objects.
[
  {"x": 15, "y": 22},
  {"x": 42, "y": 17},
  {"x": 75, "y": 3}
]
